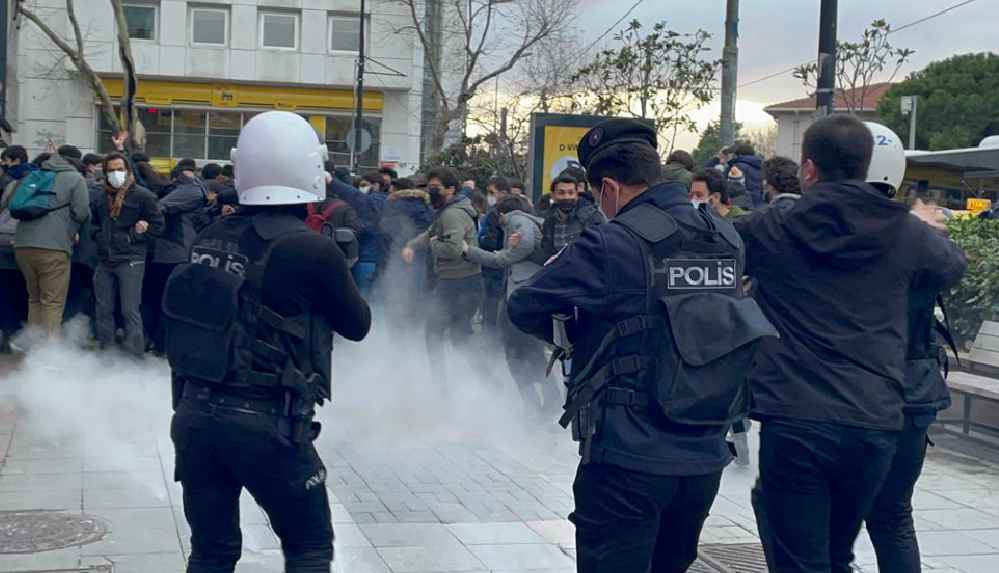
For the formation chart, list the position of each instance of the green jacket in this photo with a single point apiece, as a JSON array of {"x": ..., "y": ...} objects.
[
  {"x": 454, "y": 226},
  {"x": 676, "y": 172},
  {"x": 735, "y": 212},
  {"x": 57, "y": 230}
]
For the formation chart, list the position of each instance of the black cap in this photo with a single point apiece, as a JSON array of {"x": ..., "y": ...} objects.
[
  {"x": 611, "y": 132},
  {"x": 69, "y": 152},
  {"x": 186, "y": 164}
]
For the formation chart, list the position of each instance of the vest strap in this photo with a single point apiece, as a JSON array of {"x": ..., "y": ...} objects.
[{"x": 583, "y": 392}]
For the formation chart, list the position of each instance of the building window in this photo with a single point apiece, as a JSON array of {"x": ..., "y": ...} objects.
[
  {"x": 158, "y": 124},
  {"x": 223, "y": 132},
  {"x": 189, "y": 133},
  {"x": 337, "y": 129},
  {"x": 345, "y": 32},
  {"x": 279, "y": 30},
  {"x": 141, "y": 20},
  {"x": 209, "y": 26}
]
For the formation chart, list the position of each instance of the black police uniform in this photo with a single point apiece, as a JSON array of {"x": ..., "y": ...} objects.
[
  {"x": 662, "y": 337},
  {"x": 249, "y": 339},
  {"x": 833, "y": 274}
]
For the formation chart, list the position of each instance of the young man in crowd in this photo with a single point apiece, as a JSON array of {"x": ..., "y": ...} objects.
[{"x": 568, "y": 217}]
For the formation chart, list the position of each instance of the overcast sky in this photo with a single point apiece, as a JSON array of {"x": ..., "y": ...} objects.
[{"x": 777, "y": 34}]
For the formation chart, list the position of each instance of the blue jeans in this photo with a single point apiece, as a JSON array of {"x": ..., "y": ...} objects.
[{"x": 364, "y": 276}]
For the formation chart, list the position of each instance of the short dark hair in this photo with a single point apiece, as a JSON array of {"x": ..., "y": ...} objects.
[
  {"x": 629, "y": 163},
  {"x": 67, "y": 151},
  {"x": 840, "y": 146},
  {"x": 477, "y": 197},
  {"x": 447, "y": 176},
  {"x": 743, "y": 147},
  {"x": 714, "y": 179},
  {"x": 41, "y": 158},
  {"x": 211, "y": 171},
  {"x": 683, "y": 158},
  {"x": 140, "y": 157},
  {"x": 230, "y": 172},
  {"x": 500, "y": 183},
  {"x": 373, "y": 177},
  {"x": 782, "y": 174},
  {"x": 92, "y": 159},
  {"x": 516, "y": 183},
  {"x": 115, "y": 155},
  {"x": 403, "y": 183},
  {"x": 186, "y": 164},
  {"x": 15, "y": 152},
  {"x": 390, "y": 172},
  {"x": 564, "y": 177},
  {"x": 514, "y": 203}
]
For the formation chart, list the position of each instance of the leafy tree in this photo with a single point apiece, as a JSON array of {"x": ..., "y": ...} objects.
[
  {"x": 660, "y": 74},
  {"x": 976, "y": 298},
  {"x": 958, "y": 102},
  {"x": 470, "y": 159},
  {"x": 710, "y": 143}
]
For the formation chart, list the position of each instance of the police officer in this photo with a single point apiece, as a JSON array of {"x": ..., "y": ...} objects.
[
  {"x": 249, "y": 338},
  {"x": 652, "y": 325},
  {"x": 833, "y": 273}
]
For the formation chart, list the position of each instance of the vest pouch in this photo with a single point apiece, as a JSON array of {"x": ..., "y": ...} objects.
[
  {"x": 924, "y": 387},
  {"x": 200, "y": 304},
  {"x": 714, "y": 338}
]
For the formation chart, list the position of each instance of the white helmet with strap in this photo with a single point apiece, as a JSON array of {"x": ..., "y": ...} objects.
[
  {"x": 279, "y": 160},
  {"x": 888, "y": 159}
]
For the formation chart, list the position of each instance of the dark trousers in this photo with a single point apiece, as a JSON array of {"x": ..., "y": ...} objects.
[
  {"x": 629, "y": 522},
  {"x": 817, "y": 484},
  {"x": 80, "y": 298},
  {"x": 153, "y": 285},
  {"x": 454, "y": 304},
  {"x": 121, "y": 283},
  {"x": 525, "y": 357},
  {"x": 14, "y": 305},
  {"x": 890, "y": 521},
  {"x": 219, "y": 452}
]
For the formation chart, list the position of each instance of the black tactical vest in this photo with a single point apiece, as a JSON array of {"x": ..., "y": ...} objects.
[
  {"x": 220, "y": 333},
  {"x": 684, "y": 361}
]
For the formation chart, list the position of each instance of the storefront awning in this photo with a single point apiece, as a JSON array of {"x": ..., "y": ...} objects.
[{"x": 969, "y": 163}]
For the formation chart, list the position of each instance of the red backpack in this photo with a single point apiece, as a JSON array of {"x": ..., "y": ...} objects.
[{"x": 319, "y": 221}]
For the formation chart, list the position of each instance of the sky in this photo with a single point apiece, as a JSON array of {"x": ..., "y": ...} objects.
[{"x": 777, "y": 34}]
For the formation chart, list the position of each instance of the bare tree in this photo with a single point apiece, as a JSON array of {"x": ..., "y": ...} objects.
[
  {"x": 860, "y": 64},
  {"x": 73, "y": 49},
  {"x": 764, "y": 140},
  {"x": 480, "y": 40}
]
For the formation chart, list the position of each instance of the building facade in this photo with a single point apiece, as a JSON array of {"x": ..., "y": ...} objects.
[{"x": 206, "y": 67}]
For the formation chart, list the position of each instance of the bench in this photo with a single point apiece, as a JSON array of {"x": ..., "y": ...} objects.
[
  {"x": 984, "y": 354},
  {"x": 972, "y": 388}
]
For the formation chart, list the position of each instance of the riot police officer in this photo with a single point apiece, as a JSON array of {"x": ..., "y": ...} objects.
[
  {"x": 250, "y": 326},
  {"x": 652, "y": 325}
]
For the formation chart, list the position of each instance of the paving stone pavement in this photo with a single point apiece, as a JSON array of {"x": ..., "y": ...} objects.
[{"x": 432, "y": 502}]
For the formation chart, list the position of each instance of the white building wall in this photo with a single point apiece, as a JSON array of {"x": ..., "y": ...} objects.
[
  {"x": 791, "y": 127},
  {"x": 48, "y": 100}
]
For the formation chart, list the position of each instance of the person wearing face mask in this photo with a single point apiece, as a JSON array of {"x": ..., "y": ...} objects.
[
  {"x": 124, "y": 222},
  {"x": 15, "y": 164},
  {"x": 491, "y": 239},
  {"x": 457, "y": 288},
  {"x": 835, "y": 273},
  {"x": 568, "y": 217},
  {"x": 655, "y": 334},
  {"x": 710, "y": 187}
]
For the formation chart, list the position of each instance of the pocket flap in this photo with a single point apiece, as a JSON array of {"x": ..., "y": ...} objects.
[
  {"x": 707, "y": 326},
  {"x": 202, "y": 296}
]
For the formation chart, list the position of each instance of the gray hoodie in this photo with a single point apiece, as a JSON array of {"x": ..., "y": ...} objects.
[
  {"x": 454, "y": 226},
  {"x": 56, "y": 230},
  {"x": 516, "y": 260}
]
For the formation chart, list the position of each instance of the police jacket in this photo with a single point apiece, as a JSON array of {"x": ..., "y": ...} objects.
[
  {"x": 604, "y": 281},
  {"x": 267, "y": 294},
  {"x": 182, "y": 207},
  {"x": 116, "y": 238},
  {"x": 833, "y": 274}
]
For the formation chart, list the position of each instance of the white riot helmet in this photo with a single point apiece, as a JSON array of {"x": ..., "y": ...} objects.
[
  {"x": 888, "y": 159},
  {"x": 279, "y": 160}
]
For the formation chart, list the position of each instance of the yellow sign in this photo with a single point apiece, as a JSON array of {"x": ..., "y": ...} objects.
[
  {"x": 560, "y": 151},
  {"x": 976, "y": 205}
]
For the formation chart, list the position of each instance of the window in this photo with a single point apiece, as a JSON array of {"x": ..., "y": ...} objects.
[
  {"x": 189, "y": 133},
  {"x": 141, "y": 20},
  {"x": 209, "y": 26},
  {"x": 157, "y": 123},
  {"x": 279, "y": 30},
  {"x": 223, "y": 132},
  {"x": 337, "y": 129},
  {"x": 345, "y": 32}
]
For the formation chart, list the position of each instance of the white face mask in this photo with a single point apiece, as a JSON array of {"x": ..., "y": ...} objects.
[
  {"x": 696, "y": 203},
  {"x": 364, "y": 188},
  {"x": 117, "y": 178}
]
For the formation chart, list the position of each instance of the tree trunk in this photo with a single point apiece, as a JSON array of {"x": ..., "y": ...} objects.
[{"x": 130, "y": 81}]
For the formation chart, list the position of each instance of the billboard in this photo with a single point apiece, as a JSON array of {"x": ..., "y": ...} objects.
[{"x": 552, "y": 146}]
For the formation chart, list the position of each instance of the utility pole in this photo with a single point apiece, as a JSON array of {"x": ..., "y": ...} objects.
[
  {"x": 825, "y": 85},
  {"x": 730, "y": 72},
  {"x": 355, "y": 157}
]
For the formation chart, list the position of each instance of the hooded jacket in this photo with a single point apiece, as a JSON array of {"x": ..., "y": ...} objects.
[
  {"x": 675, "y": 172},
  {"x": 57, "y": 229},
  {"x": 182, "y": 207},
  {"x": 515, "y": 261},
  {"x": 453, "y": 227},
  {"x": 833, "y": 274},
  {"x": 752, "y": 167},
  {"x": 407, "y": 214}
]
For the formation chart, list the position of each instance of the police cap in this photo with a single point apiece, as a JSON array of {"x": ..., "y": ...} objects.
[{"x": 611, "y": 132}]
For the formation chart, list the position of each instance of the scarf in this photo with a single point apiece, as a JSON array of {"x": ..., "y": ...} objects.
[{"x": 116, "y": 197}]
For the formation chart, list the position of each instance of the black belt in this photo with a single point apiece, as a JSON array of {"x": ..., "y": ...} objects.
[{"x": 229, "y": 400}]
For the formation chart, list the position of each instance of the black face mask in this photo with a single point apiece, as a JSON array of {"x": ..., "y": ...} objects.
[
  {"x": 565, "y": 205},
  {"x": 436, "y": 195}
]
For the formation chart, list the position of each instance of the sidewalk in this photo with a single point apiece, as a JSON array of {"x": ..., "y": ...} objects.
[{"x": 436, "y": 503}]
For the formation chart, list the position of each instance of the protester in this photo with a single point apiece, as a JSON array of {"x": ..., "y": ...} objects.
[
  {"x": 751, "y": 166},
  {"x": 14, "y": 309},
  {"x": 679, "y": 167},
  {"x": 83, "y": 261},
  {"x": 517, "y": 187},
  {"x": 124, "y": 223},
  {"x": 828, "y": 391},
  {"x": 491, "y": 238},
  {"x": 407, "y": 214},
  {"x": 710, "y": 187},
  {"x": 43, "y": 241},
  {"x": 567, "y": 219},
  {"x": 91, "y": 166},
  {"x": 781, "y": 183},
  {"x": 145, "y": 175}
]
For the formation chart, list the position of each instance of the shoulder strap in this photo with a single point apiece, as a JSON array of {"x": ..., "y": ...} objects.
[
  {"x": 943, "y": 329},
  {"x": 648, "y": 222}
]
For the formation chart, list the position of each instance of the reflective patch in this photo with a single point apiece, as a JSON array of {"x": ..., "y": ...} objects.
[
  {"x": 227, "y": 261},
  {"x": 717, "y": 275},
  {"x": 555, "y": 256}
]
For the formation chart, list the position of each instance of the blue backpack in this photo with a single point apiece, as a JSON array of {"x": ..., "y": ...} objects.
[{"x": 34, "y": 196}]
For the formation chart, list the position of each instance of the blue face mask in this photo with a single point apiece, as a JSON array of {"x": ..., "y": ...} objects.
[{"x": 18, "y": 171}]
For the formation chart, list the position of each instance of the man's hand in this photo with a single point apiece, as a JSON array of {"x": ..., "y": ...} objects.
[
  {"x": 514, "y": 240},
  {"x": 119, "y": 140},
  {"x": 930, "y": 214},
  {"x": 408, "y": 255},
  {"x": 228, "y": 210},
  {"x": 141, "y": 227}
]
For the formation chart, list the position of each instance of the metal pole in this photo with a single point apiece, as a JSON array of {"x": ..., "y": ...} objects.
[
  {"x": 912, "y": 123},
  {"x": 730, "y": 72},
  {"x": 825, "y": 86},
  {"x": 3, "y": 59},
  {"x": 359, "y": 99}
]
